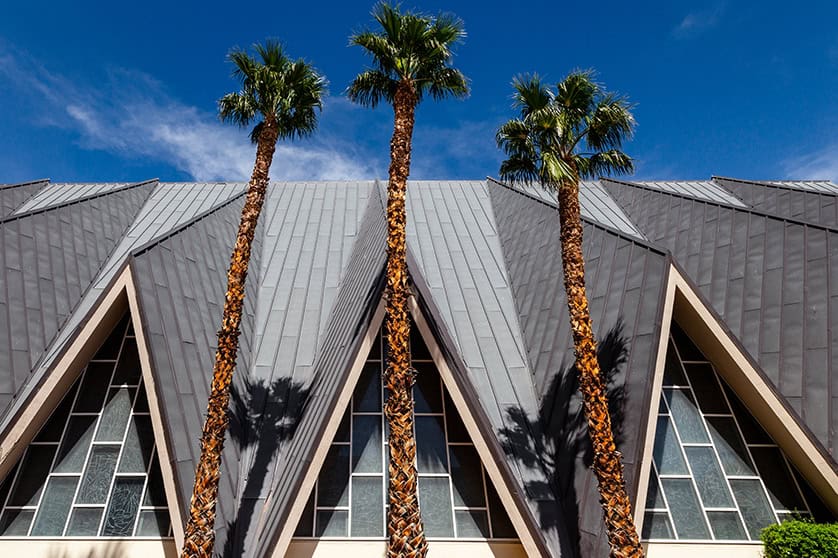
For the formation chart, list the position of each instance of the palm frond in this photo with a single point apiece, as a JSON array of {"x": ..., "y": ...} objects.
[
  {"x": 371, "y": 87},
  {"x": 447, "y": 82},
  {"x": 531, "y": 94},
  {"x": 519, "y": 170},
  {"x": 237, "y": 108},
  {"x": 610, "y": 123},
  {"x": 605, "y": 163}
]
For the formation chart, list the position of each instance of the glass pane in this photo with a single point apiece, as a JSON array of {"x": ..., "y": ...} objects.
[
  {"x": 654, "y": 498},
  {"x": 51, "y": 432},
  {"x": 155, "y": 494},
  {"x": 456, "y": 429},
  {"x": 93, "y": 388},
  {"x": 153, "y": 523},
  {"x": 122, "y": 510},
  {"x": 472, "y": 524},
  {"x": 15, "y": 523},
  {"x": 141, "y": 406},
  {"x": 333, "y": 482},
  {"x": 110, "y": 348},
  {"x": 685, "y": 509},
  {"x": 727, "y": 526},
  {"x": 6, "y": 485},
  {"x": 686, "y": 416},
  {"x": 418, "y": 350},
  {"x": 331, "y": 523},
  {"x": 667, "y": 451},
  {"x": 36, "y": 466},
  {"x": 729, "y": 444},
  {"x": 753, "y": 432},
  {"x": 55, "y": 505},
  {"x": 777, "y": 478},
  {"x": 467, "y": 477},
  {"x": 366, "y": 444},
  {"x": 427, "y": 392},
  {"x": 76, "y": 443},
  {"x": 753, "y": 504},
  {"x": 115, "y": 415},
  {"x": 305, "y": 528},
  {"x": 128, "y": 369},
  {"x": 656, "y": 526},
  {"x": 342, "y": 435},
  {"x": 367, "y": 507},
  {"x": 673, "y": 374},
  {"x": 501, "y": 525},
  {"x": 139, "y": 443},
  {"x": 375, "y": 350},
  {"x": 367, "y": 395},
  {"x": 435, "y": 504},
  {"x": 706, "y": 388},
  {"x": 686, "y": 348},
  {"x": 98, "y": 476},
  {"x": 708, "y": 477},
  {"x": 84, "y": 522},
  {"x": 430, "y": 445}
]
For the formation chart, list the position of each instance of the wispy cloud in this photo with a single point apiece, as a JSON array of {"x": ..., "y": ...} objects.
[
  {"x": 131, "y": 114},
  {"x": 696, "y": 22},
  {"x": 821, "y": 164}
]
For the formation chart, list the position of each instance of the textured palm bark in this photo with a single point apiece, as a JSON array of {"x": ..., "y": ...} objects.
[
  {"x": 607, "y": 463},
  {"x": 199, "y": 538},
  {"x": 406, "y": 536}
]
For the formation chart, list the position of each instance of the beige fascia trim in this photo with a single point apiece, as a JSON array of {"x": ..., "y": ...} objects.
[
  {"x": 161, "y": 437},
  {"x": 495, "y": 475},
  {"x": 702, "y": 550},
  {"x": 312, "y": 548},
  {"x": 35, "y": 412},
  {"x": 730, "y": 361},
  {"x": 329, "y": 432},
  {"x": 657, "y": 383},
  {"x": 88, "y": 548}
]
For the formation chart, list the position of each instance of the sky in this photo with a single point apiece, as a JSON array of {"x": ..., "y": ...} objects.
[{"x": 126, "y": 91}]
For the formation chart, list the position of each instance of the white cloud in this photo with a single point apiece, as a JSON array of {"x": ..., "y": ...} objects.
[
  {"x": 132, "y": 115},
  {"x": 697, "y": 22},
  {"x": 818, "y": 165}
]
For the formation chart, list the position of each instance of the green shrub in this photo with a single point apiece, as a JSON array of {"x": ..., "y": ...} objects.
[{"x": 801, "y": 539}]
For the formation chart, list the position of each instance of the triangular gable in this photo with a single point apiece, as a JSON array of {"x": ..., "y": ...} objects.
[
  {"x": 349, "y": 498},
  {"x": 97, "y": 416},
  {"x": 743, "y": 382}
]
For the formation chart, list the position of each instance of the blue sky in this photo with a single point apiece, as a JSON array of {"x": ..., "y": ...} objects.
[{"x": 107, "y": 91}]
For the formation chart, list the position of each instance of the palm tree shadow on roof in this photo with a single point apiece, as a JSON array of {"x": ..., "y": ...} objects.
[
  {"x": 557, "y": 439},
  {"x": 281, "y": 403}
]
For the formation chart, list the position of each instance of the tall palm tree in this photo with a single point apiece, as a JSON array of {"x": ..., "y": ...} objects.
[
  {"x": 411, "y": 55},
  {"x": 282, "y": 95},
  {"x": 560, "y": 137}
]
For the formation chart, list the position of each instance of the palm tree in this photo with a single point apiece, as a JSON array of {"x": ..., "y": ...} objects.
[
  {"x": 282, "y": 94},
  {"x": 560, "y": 137},
  {"x": 411, "y": 55}
]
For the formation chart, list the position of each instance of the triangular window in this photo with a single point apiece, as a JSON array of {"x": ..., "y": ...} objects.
[
  {"x": 716, "y": 474},
  {"x": 456, "y": 496},
  {"x": 93, "y": 469}
]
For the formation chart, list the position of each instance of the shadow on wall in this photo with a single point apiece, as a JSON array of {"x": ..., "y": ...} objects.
[
  {"x": 281, "y": 403},
  {"x": 557, "y": 439},
  {"x": 109, "y": 550}
]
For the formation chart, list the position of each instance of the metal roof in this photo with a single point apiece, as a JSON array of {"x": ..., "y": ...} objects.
[
  {"x": 485, "y": 263},
  {"x": 57, "y": 193},
  {"x": 817, "y": 206},
  {"x": 13, "y": 195},
  {"x": 698, "y": 189}
]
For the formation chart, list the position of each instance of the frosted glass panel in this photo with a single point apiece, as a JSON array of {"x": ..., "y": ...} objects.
[
  {"x": 84, "y": 522},
  {"x": 139, "y": 444},
  {"x": 435, "y": 503},
  {"x": 731, "y": 448},
  {"x": 153, "y": 524},
  {"x": 332, "y": 523},
  {"x": 28, "y": 486},
  {"x": 76, "y": 443},
  {"x": 122, "y": 510},
  {"x": 427, "y": 393},
  {"x": 656, "y": 525},
  {"x": 367, "y": 396},
  {"x": 684, "y": 412},
  {"x": 667, "y": 452},
  {"x": 708, "y": 477},
  {"x": 52, "y": 514},
  {"x": 727, "y": 526},
  {"x": 15, "y": 523},
  {"x": 366, "y": 444},
  {"x": 430, "y": 445},
  {"x": 472, "y": 524},
  {"x": 754, "y": 505},
  {"x": 115, "y": 415},
  {"x": 367, "y": 507},
  {"x": 97, "y": 477},
  {"x": 332, "y": 489},
  {"x": 467, "y": 477},
  {"x": 685, "y": 509}
]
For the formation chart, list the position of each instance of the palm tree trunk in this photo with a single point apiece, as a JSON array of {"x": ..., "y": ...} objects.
[
  {"x": 199, "y": 538},
  {"x": 607, "y": 463},
  {"x": 404, "y": 523}
]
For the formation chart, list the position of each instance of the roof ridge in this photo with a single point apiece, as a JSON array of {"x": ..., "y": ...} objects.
[
  {"x": 611, "y": 230},
  {"x": 83, "y": 199},
  {"x": 778, "y": 184},
  {"x": 725, "y": 205},
  {"x": 177, "y": 230},
  {"x": 19, "y": 184}
]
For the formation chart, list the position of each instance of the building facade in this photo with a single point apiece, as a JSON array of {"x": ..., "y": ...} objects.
[{"x": 713, "y": 307}]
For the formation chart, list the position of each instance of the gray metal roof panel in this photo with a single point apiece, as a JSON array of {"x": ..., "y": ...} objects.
[
  {"x": 767, "y": 277},
  {"x": 49, "y": 258},
  {"x": 595, "y": 202},
  {"x": 785, "y": 199},
  {"x": 626, "y": 282},
  {"x": 56, "y": 193},
  {"x": 698, "y": 189},
  {"x": 13, "y": 196}
]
